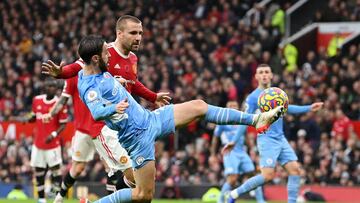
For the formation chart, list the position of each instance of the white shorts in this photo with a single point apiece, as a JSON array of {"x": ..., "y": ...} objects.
[
  {"x": 82, "y": 147},
  {"x": 109, "y": 148},
  {"x": 45, "y": 157}
]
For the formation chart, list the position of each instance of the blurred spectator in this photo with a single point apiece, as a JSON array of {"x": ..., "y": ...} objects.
[
  {"x": 170, "y": 191},
  {"x": 342, "y": 127}
]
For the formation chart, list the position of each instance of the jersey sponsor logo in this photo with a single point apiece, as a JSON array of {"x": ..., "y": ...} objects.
[
  {"x": 38, "y": 107},
  {"x": 117, "y": 66},
  {"x": 123, "y": 159},
  {"x": 139, "y": 160},
  {"x": 92, "y": 95}
]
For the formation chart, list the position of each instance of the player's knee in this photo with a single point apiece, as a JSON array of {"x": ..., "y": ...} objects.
[
  {"x": 78, "y": 168},
  {"x": 199, "y": 106},
  {"x": 268, "y": 175},
  {"x": 232, "y": 179},
  {"x": 294, "y": 171}
]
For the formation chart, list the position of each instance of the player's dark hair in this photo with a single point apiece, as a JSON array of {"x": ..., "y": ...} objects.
[
  {"x": 120, "y": 24},
  {"x": 263, "y": 65},
  {"x": 89, "y": 46}
]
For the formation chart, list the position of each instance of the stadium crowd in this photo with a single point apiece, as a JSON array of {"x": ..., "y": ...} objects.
[{"x": 194, "y": 50}]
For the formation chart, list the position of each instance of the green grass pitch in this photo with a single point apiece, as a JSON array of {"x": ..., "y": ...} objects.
[
  {"x": 76, "y": 201},
  {"x": 154, "y": 201}
]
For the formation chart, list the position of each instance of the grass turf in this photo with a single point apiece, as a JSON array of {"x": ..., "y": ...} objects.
[
  {"x": 76, "y": 201},
  {"x": 154, "y": 201}
]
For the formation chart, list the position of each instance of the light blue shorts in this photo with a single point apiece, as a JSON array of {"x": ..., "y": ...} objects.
[
  {"x": 142, "y": 148},
  {"x": 273, "y": 149},
  {"x": 237, "y": 163}
]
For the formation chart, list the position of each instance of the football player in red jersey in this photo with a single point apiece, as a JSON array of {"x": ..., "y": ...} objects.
[
  {"x": 88, "y": 137},
  {"x": 46, "y": 150},
  {"x": 122, "y": 62}
]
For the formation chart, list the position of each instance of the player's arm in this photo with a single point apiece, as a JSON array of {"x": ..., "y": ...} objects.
[
  {"x": 215, "y": 139},
  {"x": 56, "y": 108},
  {"x": 29, "y": 117},
  {"x": 161, "y": 98},
  {"x": 295, "y": 109},
  {"x": 140, "y": 90},
  {"x": 55, "y": 133},
  {"x": 62, "y": 117},
  {"x": 62, "y": 70},
  {"x": 98, "y": 110}
]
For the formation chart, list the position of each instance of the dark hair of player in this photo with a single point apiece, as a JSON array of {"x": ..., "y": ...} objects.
[
  {"x": 120, "y": 24},
  {"x": 89, "y": 46}
]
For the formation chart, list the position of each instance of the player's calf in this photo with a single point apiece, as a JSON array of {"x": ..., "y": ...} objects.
[{"x": 40, "y": 182}]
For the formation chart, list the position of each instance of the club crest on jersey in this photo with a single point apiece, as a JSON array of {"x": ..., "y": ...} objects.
[
  {"x": 269, "y": 161},
  {"x": 139, "y": 160},
  {"x": 123, "y": 159},
  {"x": 92, "y": 95}
]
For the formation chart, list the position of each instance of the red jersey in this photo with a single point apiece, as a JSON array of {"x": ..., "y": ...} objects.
[
  {"x": 42, "y": 106},
  {"x": 124, "y": 66},
  {"x": 119, "y": 65},
  {"x": 83, "y": 121}
]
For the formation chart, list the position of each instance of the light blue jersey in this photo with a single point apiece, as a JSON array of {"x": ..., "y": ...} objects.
[
  {"x": 137, "y": 127},
  {"x": 272, "y": 145},
  {"x": 237, "y": 161},
  {"x": 226, "y": 132}
]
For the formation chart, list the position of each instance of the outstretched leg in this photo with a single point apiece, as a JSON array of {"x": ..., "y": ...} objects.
[
  {"x": 266, "y": 175},
  {"x": 186, "y": 112}
]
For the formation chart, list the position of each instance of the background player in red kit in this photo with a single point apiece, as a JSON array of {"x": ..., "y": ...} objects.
[
  {"x": 87, "y": 137},
  {"x": 46, "y": 150},
  {"x": 122, "y": 62}
]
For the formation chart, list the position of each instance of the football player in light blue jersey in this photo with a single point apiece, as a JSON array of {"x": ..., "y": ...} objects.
[
  {"x": 272, "y": 145},
  {"x": 237, "y": 162},
  {"x": 137, "y": 127}
]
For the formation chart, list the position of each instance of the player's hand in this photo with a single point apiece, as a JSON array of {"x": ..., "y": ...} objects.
[
  {"x": 50, "y": 68},
  {"x": 48, "y": 139},
  {"x": 316, "y": 106},
  {"x": 121, "y": 80},
  {"x": 227, "y": 148},
  {"x": 162, "y": 99},
  {"x": 122, "y": 106},
  {"x": 46, "y": 118}
]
